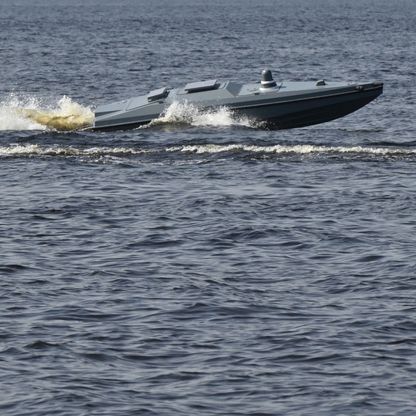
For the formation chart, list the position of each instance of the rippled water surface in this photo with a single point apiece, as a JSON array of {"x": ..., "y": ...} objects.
[{"x": 200, "y": 265}]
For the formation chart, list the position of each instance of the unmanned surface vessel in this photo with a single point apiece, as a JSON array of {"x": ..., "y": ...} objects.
[{"x": 271, "y": 104}]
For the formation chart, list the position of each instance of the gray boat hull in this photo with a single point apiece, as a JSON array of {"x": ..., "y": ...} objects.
[
  {"x": 281, "y": 106},
  {"x": 307, "y": 112}
]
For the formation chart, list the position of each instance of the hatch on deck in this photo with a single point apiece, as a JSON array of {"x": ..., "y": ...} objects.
[
  {"x": 211, "y": 84},
  {"x": 157, "y": 94}
]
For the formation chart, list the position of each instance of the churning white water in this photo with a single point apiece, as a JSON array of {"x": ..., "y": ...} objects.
[{"x": 30, "y": 113}]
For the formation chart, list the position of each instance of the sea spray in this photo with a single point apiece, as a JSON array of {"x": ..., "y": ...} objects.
[
  {"x": 187, "y": 113},
  {"x": 11, "y": 116},
  {"x": 28, "y": 113}
]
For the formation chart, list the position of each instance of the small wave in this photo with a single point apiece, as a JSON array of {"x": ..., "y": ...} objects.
[
  {"x": 187, "y": 113},
  {"x": 30, "y": 150},
  {"x": 28, "y": 113},
  {"x": 294, "y": 149},
  {"x": 36, "y": 150}
]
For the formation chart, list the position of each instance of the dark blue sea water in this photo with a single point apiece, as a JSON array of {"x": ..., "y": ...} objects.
[{"x": 206, "y": 267}]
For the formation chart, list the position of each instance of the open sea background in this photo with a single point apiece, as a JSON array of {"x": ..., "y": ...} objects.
[{"x": 202, "y": 266}]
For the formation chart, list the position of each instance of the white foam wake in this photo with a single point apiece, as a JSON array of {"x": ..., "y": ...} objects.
[
  {"x": 186, "y": 113},
  {"x": 28, "y": 150},
  {"x": 29, "y": 113},
  {"x": 36, "y": 150},
  {"x": 295, "y": 149}
]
